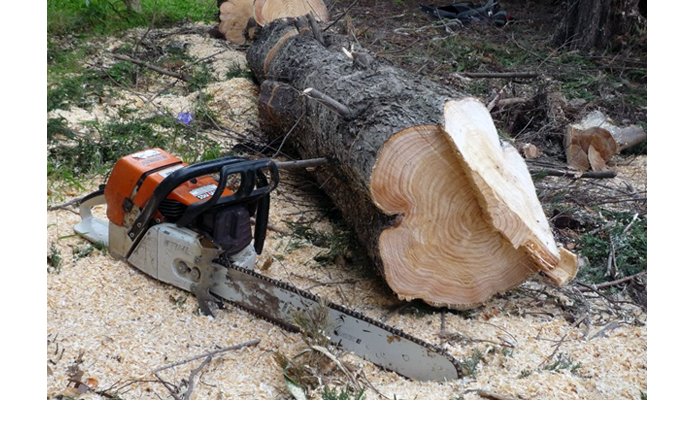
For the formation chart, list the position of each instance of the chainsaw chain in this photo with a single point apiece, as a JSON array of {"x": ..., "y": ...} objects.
[{"x": 356, "y": 314}]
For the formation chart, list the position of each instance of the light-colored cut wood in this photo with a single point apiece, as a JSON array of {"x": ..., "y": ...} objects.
[
  {"x": 265, "y": 11},
  {"x": 234, "y": 16},
  {"x": 442, "y": 249},
  {"x": 593, "y": 141},
  {"x": 503, "y": 185}
]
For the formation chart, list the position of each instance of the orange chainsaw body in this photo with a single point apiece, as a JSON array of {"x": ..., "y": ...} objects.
[{"x": 135, "y": 177}]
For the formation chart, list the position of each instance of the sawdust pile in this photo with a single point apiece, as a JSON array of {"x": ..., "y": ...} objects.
[{"x": 113, "y": 332}]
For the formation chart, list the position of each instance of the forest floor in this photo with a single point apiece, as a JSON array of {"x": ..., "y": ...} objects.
[{"x": 113, "y": 332}]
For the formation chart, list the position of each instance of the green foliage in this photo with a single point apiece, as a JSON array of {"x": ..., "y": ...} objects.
[
  {"x": 82, "y": 251},
  {"x": 101, "y": 17},
  {"x": 97, "y": 155},
  {"x": 345, "y": 393},
  {"x": 630, "y": 243},
  {"x": 57, "y": 127},
  {"x": 85, "y": 88},
  {"x": 237, "y": 71},
  {"x": 470, "y": 364},
  {"x": 200, "y": 77},
  {"x": 54, "y": 258},
  {"x": 563, "y": 361}
]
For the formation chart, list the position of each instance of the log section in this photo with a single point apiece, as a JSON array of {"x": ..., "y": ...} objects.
[{"x": 447, "y": 213}]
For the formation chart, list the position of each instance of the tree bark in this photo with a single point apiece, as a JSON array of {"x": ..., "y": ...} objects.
[
  {"x": 599, "y": 24},
  {"x": 446, "y": 212}
]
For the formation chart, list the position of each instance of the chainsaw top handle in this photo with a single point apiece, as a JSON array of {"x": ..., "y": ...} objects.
[{"x": 254, "y": 186}]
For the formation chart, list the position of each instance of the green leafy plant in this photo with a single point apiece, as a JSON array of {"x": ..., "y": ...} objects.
[
  {"x": 628, "y": 237},
  {"x": 345, "y": 393},
  {"x": 54, "y": 258}
]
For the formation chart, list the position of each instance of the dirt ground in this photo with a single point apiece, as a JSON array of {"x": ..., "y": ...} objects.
[{"x": 114, "y": 333}]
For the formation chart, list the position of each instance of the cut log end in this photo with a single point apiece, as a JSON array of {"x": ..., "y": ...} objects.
[
  {"x": 266, "y": 11},
  {"x": 442, "y": 250},
  {"x": 234, "y": 17}
]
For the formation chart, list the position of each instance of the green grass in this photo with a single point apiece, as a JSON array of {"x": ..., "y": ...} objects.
[
  {"x": 95, "y": 152},
  {"x": 85, "y": 88},
  {"x": 105, "y": 17}
]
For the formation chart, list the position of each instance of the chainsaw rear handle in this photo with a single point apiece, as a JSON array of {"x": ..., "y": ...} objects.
[{"x": 253, "y": 186}]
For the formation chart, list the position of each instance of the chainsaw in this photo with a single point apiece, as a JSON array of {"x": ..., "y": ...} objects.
[{"x": 191, "y": 226}]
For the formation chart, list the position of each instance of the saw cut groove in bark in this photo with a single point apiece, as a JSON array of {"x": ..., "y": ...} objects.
[{"x": 446, "y": 214}]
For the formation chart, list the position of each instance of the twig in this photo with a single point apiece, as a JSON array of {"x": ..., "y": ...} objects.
[
  {"x": 316, "y": 31},
  {"x": 628, "y": 227},
  {"x": 602, "y": 332},
  {"x": 612, "y": 283},
  {"x": 502, "y": 103},
  {"x": 574, "y": 174},
  {"x": 162, "y": 71},
  {"x": 563, "y": 339},
  {"x": 329, "y": 102},
  {"x": 489, "y": 395},
  {"x": 65, "y": 205},
  {"x": 341, "y": 16},
  {"x": 272, "y": 228},
  {"x": 171, "y": 388},
  {"x": 519, "y": 74},
  {"x": 324, "y": 351},
  {"x": 249, "y": 343},
  {"x": 362, "y": 375},
  {"x": 192, "y": 377},
  {"x": 303, "y": 163},
  {"x": 611, "y": 258}
]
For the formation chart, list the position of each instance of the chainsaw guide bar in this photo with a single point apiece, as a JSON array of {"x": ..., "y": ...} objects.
[{"x": 384, "y": 345}]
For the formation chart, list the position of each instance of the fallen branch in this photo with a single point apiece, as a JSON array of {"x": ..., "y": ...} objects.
[
  {"x": 192, "y": 378},
  {"x": 512, "y": 74},
  {"x": 329, "y": 102},
  {"x": 249, "y": 343},
  {"x": 152, "y": 67},
  {"x": 340, "y": 16},
  {"x": 612, "y": 283},
  {"x": 490, "y": 395},
  {"x": 574, "y": 174},
  {"x": 301, "y": 163},
  {"x": 603, "y": 332},
  {"x": 66, "y": 205}
]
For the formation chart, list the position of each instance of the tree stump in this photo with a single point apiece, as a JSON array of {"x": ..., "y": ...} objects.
[{"x": 447, "y": 212}]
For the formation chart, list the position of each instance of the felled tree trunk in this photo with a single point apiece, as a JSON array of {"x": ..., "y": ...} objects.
[{"x": 447, "y": 213}]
